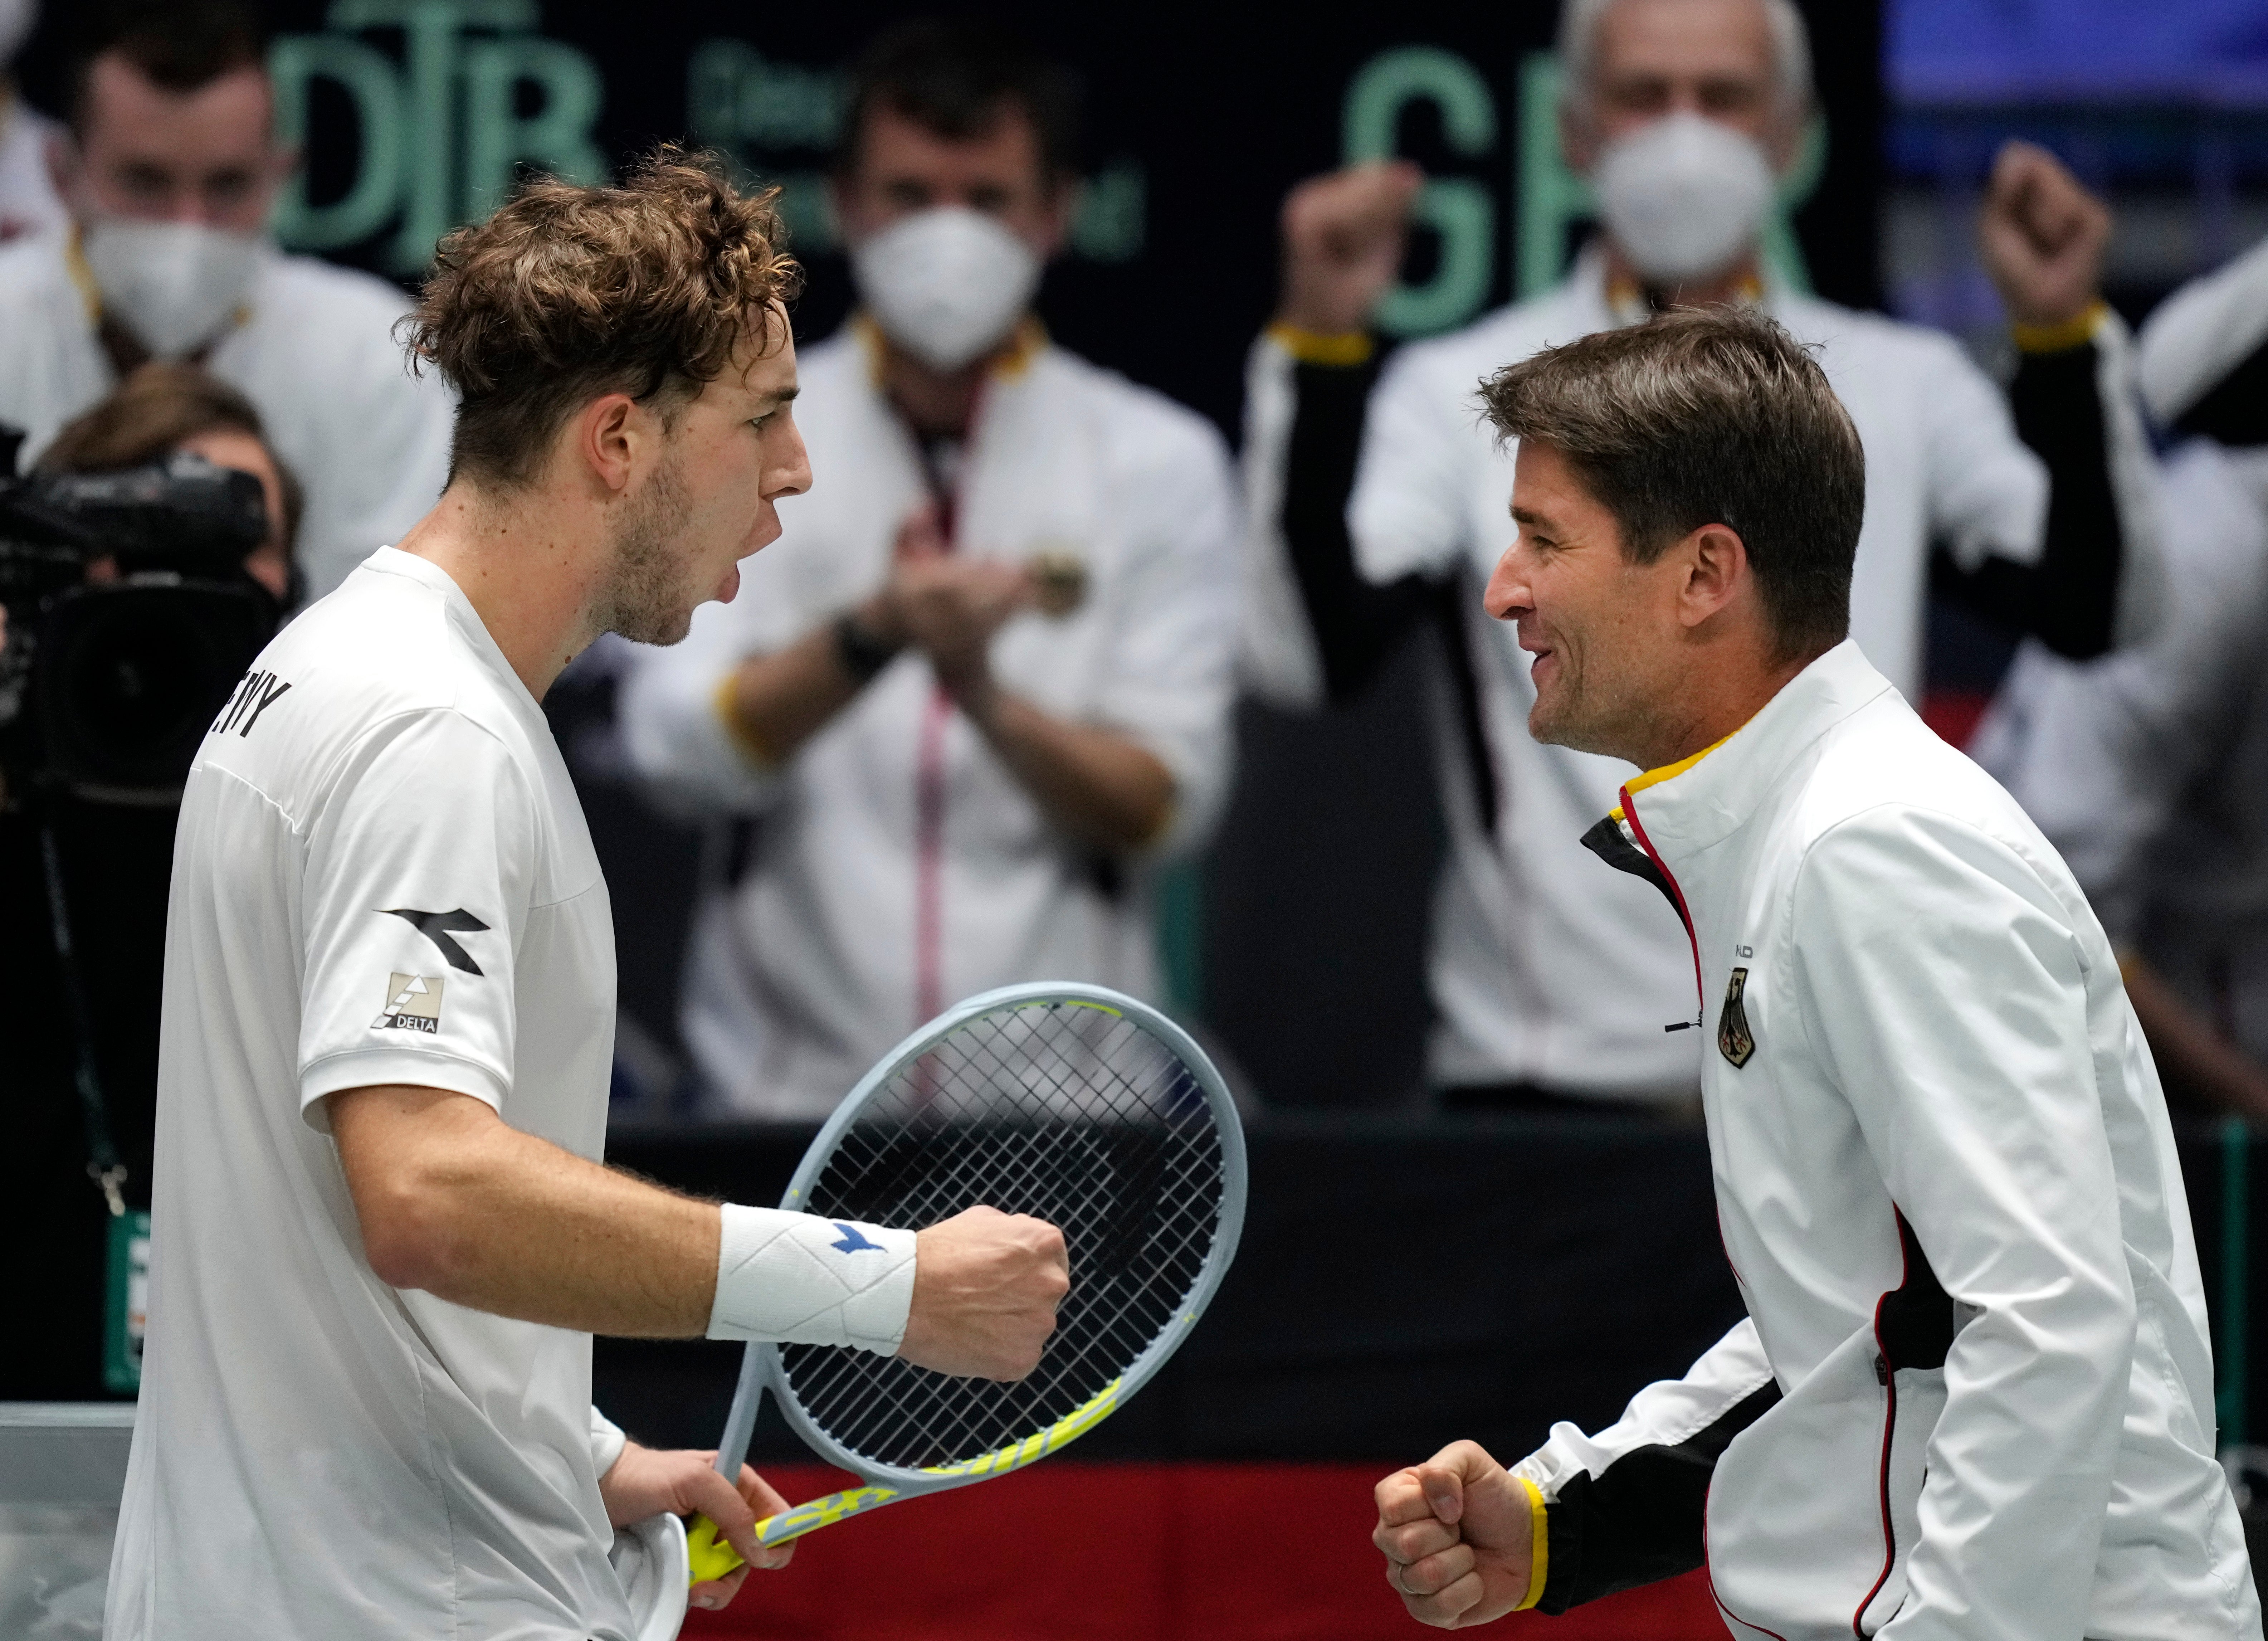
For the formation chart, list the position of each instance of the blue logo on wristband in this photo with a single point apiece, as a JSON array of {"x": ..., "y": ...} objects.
[{"x": 853, "y": 1241}]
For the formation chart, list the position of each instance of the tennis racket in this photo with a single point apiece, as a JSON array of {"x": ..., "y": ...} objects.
[{"x": 1077, "y": 1105}]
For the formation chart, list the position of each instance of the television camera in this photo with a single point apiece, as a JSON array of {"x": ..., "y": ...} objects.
[{"x": 129, "y": 621}]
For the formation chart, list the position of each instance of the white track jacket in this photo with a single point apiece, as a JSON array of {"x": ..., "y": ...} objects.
[
  {"x": 1972, "y": 1396},
  {"x": 896, "y": 863},
  {"x": 1529, "y": 958}
]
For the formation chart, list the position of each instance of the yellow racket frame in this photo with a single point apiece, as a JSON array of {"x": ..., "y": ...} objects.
[{"x": 711, "y": 1557}]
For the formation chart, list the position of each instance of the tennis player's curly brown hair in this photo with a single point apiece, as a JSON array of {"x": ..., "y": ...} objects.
[{"x": 570, "y": 292}]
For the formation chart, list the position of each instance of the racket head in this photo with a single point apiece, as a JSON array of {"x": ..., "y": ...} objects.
[{"x": 1074, "y": 1103}]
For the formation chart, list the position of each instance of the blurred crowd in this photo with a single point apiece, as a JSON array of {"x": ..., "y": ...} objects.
[{"x": 963, "y": 716}]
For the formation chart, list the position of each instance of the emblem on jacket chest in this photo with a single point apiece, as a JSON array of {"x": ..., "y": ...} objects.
[
  {"x": 1734, "y": 1041},
  {"x": 1059, "y": 580}
]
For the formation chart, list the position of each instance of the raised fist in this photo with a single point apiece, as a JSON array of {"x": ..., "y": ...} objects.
[
  {"x": 986, "y": 1285},
  {"x": 1343, "y": 236},
  {"x": 2042, "y": 236}
]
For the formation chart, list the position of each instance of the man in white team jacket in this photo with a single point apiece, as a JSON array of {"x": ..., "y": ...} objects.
[
  {"x": 1681, "y": 112},
  {"x": 981, "y": 685},
  {"x": 1972, "y": 1396}
]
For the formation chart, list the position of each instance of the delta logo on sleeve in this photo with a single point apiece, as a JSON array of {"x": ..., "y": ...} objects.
[{"x": 412, "y": 1002}]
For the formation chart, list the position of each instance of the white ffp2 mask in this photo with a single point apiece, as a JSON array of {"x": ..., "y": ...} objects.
[
  {"x": 175, "y": 284},
  {"x": 1684, "y": 196},
  {"x": 946, "y": 284}
]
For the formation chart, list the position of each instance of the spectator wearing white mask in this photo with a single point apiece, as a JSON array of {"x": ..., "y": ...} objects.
[
  {"x": 981, "y": 685},
  {"x": 28, "y": 202},
  {"x": 169, "y": 170},
  {"x": 1548, "y": 989}
]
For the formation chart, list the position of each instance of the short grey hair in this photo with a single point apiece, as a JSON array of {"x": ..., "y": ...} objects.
[{"x": 1578, "y": 50}]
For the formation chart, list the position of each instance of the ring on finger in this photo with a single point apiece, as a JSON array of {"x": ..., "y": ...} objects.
[{"x": 1393, "y": 1576}]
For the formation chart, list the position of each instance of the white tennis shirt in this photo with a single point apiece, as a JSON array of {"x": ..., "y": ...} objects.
[{"x": 381, "y": 876}]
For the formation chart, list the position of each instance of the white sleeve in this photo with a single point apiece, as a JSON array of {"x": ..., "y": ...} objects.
[
  {"x": 1942, "y": 984},
  {"x": 1171, "y": 682},
  {"x": 1413, "y": 480},
  {"x": 2145, "y": 593},
  {"x": 607, "y": 1443},
  {"x": 2049, "y": 739},
  {"x": 668, "y": 708},
  {"x": 417, "y": 882},
  {"x": 1278, "y": 659},
  {"x": 1664, "y": 1414},
  {"x": 2199, "y": 334}
]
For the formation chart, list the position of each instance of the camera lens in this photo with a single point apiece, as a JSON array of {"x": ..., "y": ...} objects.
[{"x": 130, "y": 678}]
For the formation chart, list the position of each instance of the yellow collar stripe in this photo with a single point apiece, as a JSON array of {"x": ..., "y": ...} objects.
[{"x": 1667, "y": 771}]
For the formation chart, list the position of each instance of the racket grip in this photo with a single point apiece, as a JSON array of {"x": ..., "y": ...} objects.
[{"x": 707, "y": 1553}]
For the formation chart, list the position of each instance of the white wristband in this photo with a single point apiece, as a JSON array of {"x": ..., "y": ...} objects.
[{"x": 791, "y": 1278}]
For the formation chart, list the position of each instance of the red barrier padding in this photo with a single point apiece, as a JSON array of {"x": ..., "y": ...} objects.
[{"x": 1133, "y": 1552}]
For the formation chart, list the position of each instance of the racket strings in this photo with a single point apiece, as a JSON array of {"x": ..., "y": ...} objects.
[{"x": 1076, "y": 1115}]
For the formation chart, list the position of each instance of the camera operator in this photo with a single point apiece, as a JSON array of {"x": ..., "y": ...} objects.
[
  {"x": 171, "y": 410},
  {"x": 169, "y": 170},
  {"x": 114, "y": 859},
  {"x": 165, "y": 409}
]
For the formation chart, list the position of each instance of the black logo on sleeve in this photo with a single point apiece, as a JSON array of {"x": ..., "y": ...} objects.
[
  {"x": 438, "y": 926},
  {"x": 1734, "y": 1041},
  {"x": 255, "y": 693}
]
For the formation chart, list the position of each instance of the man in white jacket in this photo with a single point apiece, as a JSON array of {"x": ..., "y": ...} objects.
[
  {"x": 981, "y": 685},
  {"x": 1972, "y": 1394},
  {"x": 1375, "y": 496}
]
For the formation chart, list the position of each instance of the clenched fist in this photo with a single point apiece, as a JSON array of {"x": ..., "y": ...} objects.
[
  {"x": 1343, "y": 235},
  {"x": 2042, "y": 235},
  {"x": 986, "y": 1285},
  {"x": 1457, "y": 1535}
]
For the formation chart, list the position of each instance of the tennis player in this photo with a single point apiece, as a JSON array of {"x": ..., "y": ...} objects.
[
  {"x": 381, "y": 1234},
  {"x": 1973, "y": 1396}
]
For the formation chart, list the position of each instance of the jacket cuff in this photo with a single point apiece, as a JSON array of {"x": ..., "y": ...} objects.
[
  {"x": 1539, "y": 1553},
  {"x": 725, "y": 703},
  {"x": 2072, "y": 333}
]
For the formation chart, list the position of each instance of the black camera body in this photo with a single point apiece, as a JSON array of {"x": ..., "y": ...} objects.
[{"x": 108, "y": 686}]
